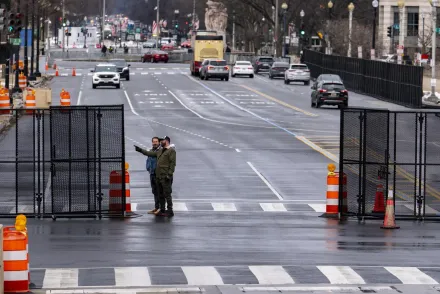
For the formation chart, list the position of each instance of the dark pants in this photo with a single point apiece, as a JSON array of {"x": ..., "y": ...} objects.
[
  {"x": 164, "y": 186},
  {"x": 155, "y": 191}
]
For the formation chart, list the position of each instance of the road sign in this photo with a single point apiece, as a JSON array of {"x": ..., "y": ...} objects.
[
  {"x": 15, "y": 41},
  {"x": 137, "y": 36}
]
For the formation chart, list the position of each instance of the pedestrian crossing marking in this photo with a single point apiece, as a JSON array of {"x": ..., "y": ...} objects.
[
  {"x": 132, "y": 277},
  {"x": 224, "y": 206},
  {"x": 341, "y": 275},
  {"x": 63, "y": 278},
  {"x": 411, "y": 275},
  {"x": 179, "y": 206},
  {"x": 318, "y": 207},
  {"x": 202, "y": 275},
  {"x": 144, "y": 73},
  {"x": 273, "y": 207},
  {"x": 271, "y": 275},
  {"x": 60, "y": 278}
]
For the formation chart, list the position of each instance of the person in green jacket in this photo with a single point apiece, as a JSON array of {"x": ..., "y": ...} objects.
[{"x": 165, "y": 166}]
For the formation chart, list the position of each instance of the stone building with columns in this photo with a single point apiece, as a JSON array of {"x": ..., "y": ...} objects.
[{"x": 415, "y": 28}]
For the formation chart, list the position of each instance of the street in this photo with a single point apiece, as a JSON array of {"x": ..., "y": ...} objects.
[{"x": 249, "y": 188}]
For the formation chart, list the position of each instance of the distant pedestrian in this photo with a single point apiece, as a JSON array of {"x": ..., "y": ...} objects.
[
  {"x": 151, "y": 168},
  {"x": 165, "y": 166},
  {"x": 104, "y": 50}
]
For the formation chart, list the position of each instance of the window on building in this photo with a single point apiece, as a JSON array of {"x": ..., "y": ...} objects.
[{"x": 412, "y": 21}]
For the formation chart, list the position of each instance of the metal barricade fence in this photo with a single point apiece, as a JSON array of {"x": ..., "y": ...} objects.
[
  {"x": 56, "y": 162},
  {"x": 396, "y": 150},
  {"x": 400, "y": 84}
]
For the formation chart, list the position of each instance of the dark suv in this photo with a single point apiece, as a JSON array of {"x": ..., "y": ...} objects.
[
  {"x": 263, "y": 63},
  {"x": 122, "y": 68},
  {"x": 329, "y": 90}
]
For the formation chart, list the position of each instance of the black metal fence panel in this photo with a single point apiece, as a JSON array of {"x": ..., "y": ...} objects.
[
  {"x": 398, "y": 150},
  {"x": 57, "y": 161},
  {"x": 401, "y": 84}
]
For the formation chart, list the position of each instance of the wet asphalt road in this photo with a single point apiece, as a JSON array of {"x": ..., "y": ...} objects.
[{"x": 248, "y": 188}]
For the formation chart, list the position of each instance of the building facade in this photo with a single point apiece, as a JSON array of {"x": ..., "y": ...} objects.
[{"x": 416, "y": 29}]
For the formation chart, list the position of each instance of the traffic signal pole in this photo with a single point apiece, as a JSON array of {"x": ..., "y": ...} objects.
[{"x": 16, "y": 88}]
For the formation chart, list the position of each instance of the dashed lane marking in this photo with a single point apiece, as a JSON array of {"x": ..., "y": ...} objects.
[{"x": 279, "y": 101}]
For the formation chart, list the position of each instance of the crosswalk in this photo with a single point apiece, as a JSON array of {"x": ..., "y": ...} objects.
[
  {"x": 59, "y": 278},
  {"x": 69, "y": 74}
]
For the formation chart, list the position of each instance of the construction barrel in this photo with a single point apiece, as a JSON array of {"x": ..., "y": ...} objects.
[
  {"x": 64, "y": 98},
  {"x": 332, "y": 203},
  {"x": 5, "y": 104},
  {"x": 22, "y": 82},
  {"x": 31, "y": 103},
  {"x": 116, "y": 191}
]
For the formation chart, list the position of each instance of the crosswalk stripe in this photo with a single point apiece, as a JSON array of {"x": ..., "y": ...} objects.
[
  {"x": 144, "y": 73},
  {"x": 224, "y": 206},
  {"x": 179, "y": 206},
  {"x": 341, "y": 275},
  {"x": 271, "y": 275},
  {"x": 60, "y": 278},
  {"x": 318, "y": 207},
  {"x": 273, "y": 207},
  {"x": 202, "y": 275},
  {"x": 132, "y": 277},
  {"x": 411, "y": 275}
]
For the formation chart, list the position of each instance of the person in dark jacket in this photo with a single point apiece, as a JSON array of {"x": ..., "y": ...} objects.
[
  {"x": 165, "y": 166},
  {"x": 151, "y": 168}
]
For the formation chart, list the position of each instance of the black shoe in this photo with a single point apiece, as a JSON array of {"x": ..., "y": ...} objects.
[
  {"x": 168, "y": 213},
  {"x": 159, "y": 212}
]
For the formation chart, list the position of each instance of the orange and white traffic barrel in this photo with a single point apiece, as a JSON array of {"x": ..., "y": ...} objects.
[
  {"x": 64, "y": 98},
  {"x": 5, "y": 103},
  {"x": 31, "y": 103},
  {"x": 332, "y": 202},
  {"x": 16, "y": 260},
  {"x": 22, "y": 82},
  {"x": 116, "y": 191}
]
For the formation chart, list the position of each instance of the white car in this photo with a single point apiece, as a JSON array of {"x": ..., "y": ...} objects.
[
  {"x": 297, "y": 73},
  {"x": 106, "y": 75},
  {"x": 244, "y": 68}
]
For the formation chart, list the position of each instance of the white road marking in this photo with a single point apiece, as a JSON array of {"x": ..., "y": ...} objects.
[
  {"x": 273, "y": 207},
  {"x": 132, "y": 277},
  {"x": 202, "y": 275},
  {"x": 224, "y": 206},
  {"x": 341, "y": 275},
  {"x": 313, "y": 289},
  {"x": 271, "y": 275},
  {"x": 60, "y": 278},
  {"x": 318, "y": 207},
  {"x": 79, "y": 98},
  {"x": 411, "y": 275},
  {"x": 428, "y": 209},
  {"x": 179, "y": 206},
  {"x": 238, "y": 150},
  {"x": 265, "y": 181},
  {"x": 144, "y": 73}
]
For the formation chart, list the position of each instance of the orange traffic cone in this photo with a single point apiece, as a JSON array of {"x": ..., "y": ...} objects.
[
  {"x": 56, "y": 72},
  {"x": 47, "y": 66},
  {"x": 73, "y": 72},
  {"x": 389, "y": 221},
  {"x": 379, "y": 203}
]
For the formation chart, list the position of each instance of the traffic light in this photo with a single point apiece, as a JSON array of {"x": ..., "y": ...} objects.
[
  {"x": 302, "y": 31},
  {"x": 2, "y": 19},
  {"x": 389, "y": 31},
  {"x": 11, "y": 23},
  {"x": 18, "y": 22}
]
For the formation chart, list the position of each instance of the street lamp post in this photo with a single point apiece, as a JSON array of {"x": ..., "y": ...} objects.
[
  {"x": 350, "y": 25},
  {"x": 17, "y": 60},
  {"x": 157, "y": 25},
  {"x": 300, "y": 41},
  {"x": 26, "y": 23},
  {"x": 284, "y": 7},
  {"x": 373, "y": 49},
  {"x": 330, "y": 7},
  {"x": 276, "y": 26},
  {"x": 401, "y": 5},
  {"x": 233, "y": 30},
  {"x": 32, "y": 40},
  {"x": 433, "y": 97},
  {"x": 423, "y": 33}
]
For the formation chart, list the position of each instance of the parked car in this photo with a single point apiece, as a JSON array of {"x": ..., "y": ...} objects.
[
  {"x": 167, "y": 47},
  {"x": 123, "y": 68},
  {"x": 297, "y": 73},
  {"x": 278, "y": 70},
  {"x": 105, "y": 75},
  {"x": 263, "y": 63},
  {"x": 186, "y": 44},
  {"x": 329, "y": 90},
  {"x": 214, "y": 68},
  {"x": 149, "y": 44},
  {"x": 242, "y": 68},
  {"x": 155, "y": 56}
]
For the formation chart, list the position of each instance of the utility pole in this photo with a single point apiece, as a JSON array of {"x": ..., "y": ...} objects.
[
  {"x": 26, "y": 62},
  {"x": 277, "y": 7},
  {"x": 157, "y": 25},
  {"x": 233, "y": 30},
  {"x": 33, "y": 40},
  {"x": 103, "y": 21},
  {"x": 194, "y": 14},
  {"x": 17, "y": 59},
  {"x": 433, "y": 97}
]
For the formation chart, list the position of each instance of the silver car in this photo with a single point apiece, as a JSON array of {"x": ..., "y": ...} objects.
[
  {"x": 297, "y": 73},
  {"x": 214, "y": 68}
]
